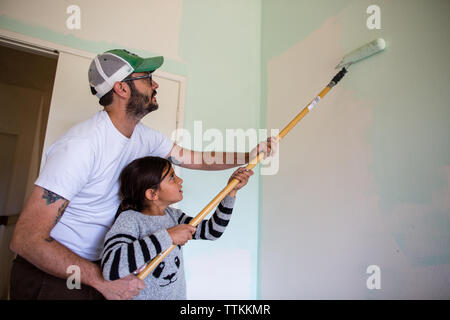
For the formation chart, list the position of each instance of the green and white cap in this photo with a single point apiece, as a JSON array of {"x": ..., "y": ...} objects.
[{"x": 115, "y": 65}]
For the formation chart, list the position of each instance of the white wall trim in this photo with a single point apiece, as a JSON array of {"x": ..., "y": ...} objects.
[
  {"x": 181, "y": 95},
  {"x": 46, "y": 45}
]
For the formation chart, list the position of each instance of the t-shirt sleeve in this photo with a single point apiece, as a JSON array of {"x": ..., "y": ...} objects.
[
  {"x": 68, "y": 164},
  {"x": 158, "y": 144}
]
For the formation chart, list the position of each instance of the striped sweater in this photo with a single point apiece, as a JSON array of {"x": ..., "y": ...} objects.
[{"x": 135, "y": 239}]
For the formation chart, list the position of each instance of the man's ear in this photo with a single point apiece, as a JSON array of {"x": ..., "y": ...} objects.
[
  {"x": 122, "y": 89},
  {"x": 151, "y": 194}
]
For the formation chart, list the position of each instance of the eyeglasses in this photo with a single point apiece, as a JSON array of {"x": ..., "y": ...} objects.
[{"x": 149, "y": 76}]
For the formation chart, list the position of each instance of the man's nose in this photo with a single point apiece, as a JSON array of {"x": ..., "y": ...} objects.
[{"x": 155, "y": 85}]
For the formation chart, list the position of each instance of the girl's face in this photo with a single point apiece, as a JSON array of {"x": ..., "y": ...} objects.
[{"x": 170, "y": 188}]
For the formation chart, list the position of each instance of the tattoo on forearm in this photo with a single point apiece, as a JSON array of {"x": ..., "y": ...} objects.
[
  {"x": 58, "y": 217},
  {"x": 61, "y": 211},
  {"x": 50, "y": 197}
]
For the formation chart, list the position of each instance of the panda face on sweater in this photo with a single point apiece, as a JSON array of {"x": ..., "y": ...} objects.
[{"x": 166, "y": 272}]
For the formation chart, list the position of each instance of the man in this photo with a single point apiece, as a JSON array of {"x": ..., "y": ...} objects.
[{"x": 75, "y": 199}]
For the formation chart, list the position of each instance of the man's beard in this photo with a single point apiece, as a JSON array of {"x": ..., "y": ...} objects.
[{"x": 140, "y": 104}]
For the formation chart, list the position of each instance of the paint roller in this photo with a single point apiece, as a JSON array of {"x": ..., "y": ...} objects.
[
  {"x": 363, "y": 52},
  {"x": 359, "y": 54}
]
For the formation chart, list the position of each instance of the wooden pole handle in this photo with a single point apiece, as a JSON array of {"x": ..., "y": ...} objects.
[{"x": 222, "y": 194}]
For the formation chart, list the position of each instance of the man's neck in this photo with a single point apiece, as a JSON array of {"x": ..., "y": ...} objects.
[{"x": 122, "y": 122}]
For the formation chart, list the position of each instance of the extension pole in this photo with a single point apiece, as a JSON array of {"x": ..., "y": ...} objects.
[{"x": 215, "y": 202}]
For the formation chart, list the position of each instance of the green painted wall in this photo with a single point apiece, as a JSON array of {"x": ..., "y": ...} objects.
[{"x": 220, "y": 44}]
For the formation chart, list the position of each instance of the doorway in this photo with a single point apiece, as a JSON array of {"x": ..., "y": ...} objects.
[{"x": 26, "y": 86}]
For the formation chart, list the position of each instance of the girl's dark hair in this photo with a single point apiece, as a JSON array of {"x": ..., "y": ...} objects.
[{"x": 138, "y": 176}]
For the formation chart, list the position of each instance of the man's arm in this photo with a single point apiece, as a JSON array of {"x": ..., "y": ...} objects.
[
  {"x": 206, "y": 160},
  {"x": 32, "y": 240},
  {"x": 217, "y": 160}
]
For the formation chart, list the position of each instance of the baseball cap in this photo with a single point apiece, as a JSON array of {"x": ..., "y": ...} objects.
[{"x": 115, "y": 65}]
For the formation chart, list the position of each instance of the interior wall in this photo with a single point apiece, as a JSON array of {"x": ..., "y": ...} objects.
[
  {"x": 26, "y": 84},
  {"x": 16, "y": 143},
  {"x": 364, "y": 178},
  {"x": 216, "y": 46},
  {"x": 220, "y": 44},
  {"x": 146, "y": 25}
]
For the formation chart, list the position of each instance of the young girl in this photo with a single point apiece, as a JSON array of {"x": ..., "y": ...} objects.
[{"x": 146, "y": 226}]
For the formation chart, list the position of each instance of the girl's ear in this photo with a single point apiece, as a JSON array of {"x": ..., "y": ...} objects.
[{"x": 151, "y": 194}]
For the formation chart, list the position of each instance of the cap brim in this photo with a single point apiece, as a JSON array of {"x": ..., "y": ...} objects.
[{"x": 150, "y": 64}]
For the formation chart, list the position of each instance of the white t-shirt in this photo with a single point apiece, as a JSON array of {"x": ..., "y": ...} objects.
[{"x": 83, "y": 166}]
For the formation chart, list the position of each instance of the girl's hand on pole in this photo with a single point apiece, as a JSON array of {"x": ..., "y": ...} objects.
[
  {"x": 242, "y": 175},
  {"x": 181, "y": 233}
]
